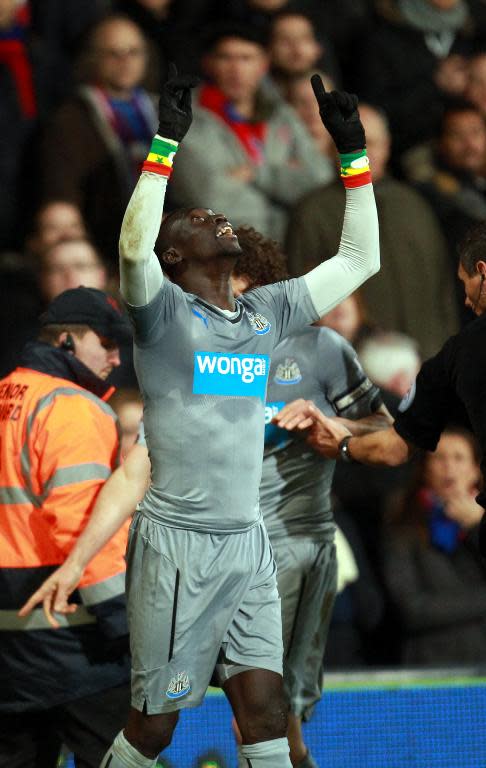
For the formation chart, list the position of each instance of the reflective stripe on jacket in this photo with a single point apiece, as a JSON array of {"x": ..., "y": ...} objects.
[{"x": 58, "y": 445}]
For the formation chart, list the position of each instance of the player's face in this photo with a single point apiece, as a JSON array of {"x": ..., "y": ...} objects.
[
  {"x": 474, "y": 288},
  {"x": 452, "y": 467},
  {"x": 204, "y": 235},
  {"x": 98, "y": 354}
]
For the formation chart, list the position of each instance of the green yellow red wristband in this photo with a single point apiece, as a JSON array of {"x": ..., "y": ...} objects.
[
  {"x": 161, "y": 155},
  {"x": 355, "y": 169}
]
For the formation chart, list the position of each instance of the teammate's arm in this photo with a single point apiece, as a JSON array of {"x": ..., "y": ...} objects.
[
  {"x": 373, "y": 422},
  {"x": 115, "y": 503},
  {"x": 383, "y": 447},
  {"x": 358, "y": 257},
  {"x": 141, "y": 275}
]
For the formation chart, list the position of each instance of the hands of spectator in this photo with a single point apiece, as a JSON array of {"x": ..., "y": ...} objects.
[
  {"x": 175, "y": 110},
  {"x": 461, "y": 507},
  {"x": 340, "y": 116},
  {"x": 54, "y": 593},
  {"x": 243, "y": 172},
  {"x": 451, "y": 75}
]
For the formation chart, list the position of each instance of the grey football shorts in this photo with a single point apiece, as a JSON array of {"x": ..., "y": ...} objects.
[
  {"x": 195, "y": 599},
  {"x": 307, "y": 578}
]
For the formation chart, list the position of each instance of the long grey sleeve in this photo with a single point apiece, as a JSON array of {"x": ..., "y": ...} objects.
[
  {"x": 358, "y": 256},
  {"x": 141, "y": 275}
]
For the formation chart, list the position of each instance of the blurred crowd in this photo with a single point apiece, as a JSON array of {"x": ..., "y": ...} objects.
[{"x": 78, "y": 109}]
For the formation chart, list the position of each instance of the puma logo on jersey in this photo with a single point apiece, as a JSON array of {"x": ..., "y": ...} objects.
[{"x": 217, "y": 373}]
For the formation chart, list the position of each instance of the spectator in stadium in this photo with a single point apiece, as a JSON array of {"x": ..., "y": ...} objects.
[
  {"x": 170, "y": 33},
  {"x": 54, "y": 221},
  {"x": 475, "y": 89},
  {"x": 32, "y": 84},
  {"x": 69, "y": 263},
  {"x": 258, "y": 158},
  {"x": 433, "y": 569},
  {"x": 95, "y": 142},
  {"x": 297, "y": 91},
  {"x": 455, "y": 184},
  {"x": 59, "y": 445},
  {"x": 296, "y": 49},
  {"x": 349, "y": 318},
  {"x": 411, "y": 58},
  {"x": 415, "y": 271}
]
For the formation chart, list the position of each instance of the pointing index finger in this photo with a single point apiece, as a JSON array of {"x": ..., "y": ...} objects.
[{"x": 319, "y": 88}]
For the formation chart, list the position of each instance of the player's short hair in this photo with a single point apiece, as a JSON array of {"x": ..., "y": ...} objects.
[
  {"x": 473, "y": 248},
  {"x": 165, "y": 237},
  {"x": 261, "y": 260}
]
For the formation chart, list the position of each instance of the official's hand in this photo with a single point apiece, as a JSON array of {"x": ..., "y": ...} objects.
[
  {"x": 326, "y": 434},
  {"x": 54, "y": 593},
  {"x": 175, "y": 111},
  {"x": 339, "y": 114}
]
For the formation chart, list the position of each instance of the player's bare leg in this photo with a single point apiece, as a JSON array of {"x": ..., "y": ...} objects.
[
  {"x": 143, "y": 739},
  {"x": 260, "y": 707}
]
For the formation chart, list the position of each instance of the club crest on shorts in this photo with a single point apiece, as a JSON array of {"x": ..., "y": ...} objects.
[
  {"x": 179, "y": 686},
  {"x": 259, "y": 323},
  {"x": 288, "y": 372}
]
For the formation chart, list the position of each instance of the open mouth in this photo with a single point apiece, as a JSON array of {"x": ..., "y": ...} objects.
[{"x": 226, "y": 230}]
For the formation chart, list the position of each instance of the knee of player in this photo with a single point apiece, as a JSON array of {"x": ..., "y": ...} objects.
[
  {"x": 266, "y": 721},
  {"x": 151, "y": 734}
]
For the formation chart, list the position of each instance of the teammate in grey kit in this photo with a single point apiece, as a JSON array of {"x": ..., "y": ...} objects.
[
  {"x": 201, "y": 578},
  {"x": 295, "y": 498},
  {"x": 295, "y": 491}
]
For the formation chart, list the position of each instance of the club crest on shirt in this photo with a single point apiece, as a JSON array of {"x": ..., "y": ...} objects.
[
  {"x": 259, "y": 323},
  {"x": 179, "y": 686},
  {"x": 288, "y": 372}
]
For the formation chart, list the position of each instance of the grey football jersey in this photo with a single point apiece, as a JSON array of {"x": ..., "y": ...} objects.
[
  {"x": 203, "y": 377},
  {"x": 315, "y": 364}
]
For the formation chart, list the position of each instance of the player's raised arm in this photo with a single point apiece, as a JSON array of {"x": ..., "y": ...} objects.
[
  {"x": 140, "y": 272},
  {"x": 358, "y": 257}
]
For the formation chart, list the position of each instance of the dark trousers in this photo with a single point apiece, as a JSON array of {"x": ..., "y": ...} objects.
[{"x": 86, "y": 726}]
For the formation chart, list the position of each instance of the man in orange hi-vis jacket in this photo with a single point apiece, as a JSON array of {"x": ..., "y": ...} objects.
[{"x": 58, "y": 445}]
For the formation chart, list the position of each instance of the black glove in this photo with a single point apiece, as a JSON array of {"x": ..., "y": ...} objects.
[
  {"x": 339, "y": 114},
  {"x": 175, "y": 113}
]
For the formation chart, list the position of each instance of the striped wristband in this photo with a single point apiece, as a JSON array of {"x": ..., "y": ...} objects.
[
  {"x": 161, "y": 155},
  {"x": 355, "y": 169}
]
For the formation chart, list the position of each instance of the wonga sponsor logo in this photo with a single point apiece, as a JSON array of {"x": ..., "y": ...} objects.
[{"x": 217, "y": 373}]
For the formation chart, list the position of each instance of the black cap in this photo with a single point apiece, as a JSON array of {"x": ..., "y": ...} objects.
[{"x": 88, "y": 306}]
